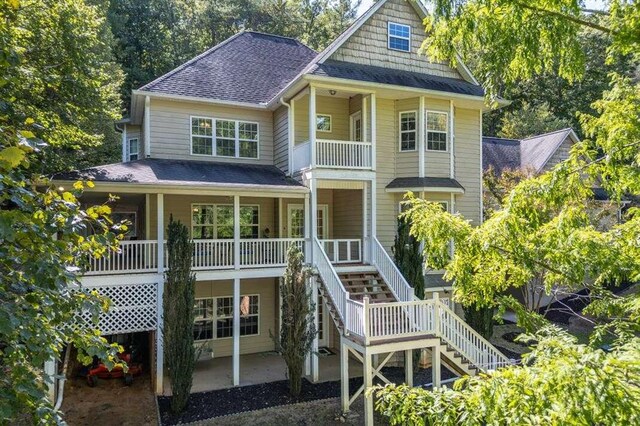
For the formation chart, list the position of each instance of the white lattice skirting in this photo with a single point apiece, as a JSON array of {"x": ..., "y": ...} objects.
[{"x": 133, "y": 308}]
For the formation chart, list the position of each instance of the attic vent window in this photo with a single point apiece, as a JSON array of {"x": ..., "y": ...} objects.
[{"x": 399, "y": 37}]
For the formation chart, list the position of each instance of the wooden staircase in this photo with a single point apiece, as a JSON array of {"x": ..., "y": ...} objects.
[{"x": 367, "y": 284}]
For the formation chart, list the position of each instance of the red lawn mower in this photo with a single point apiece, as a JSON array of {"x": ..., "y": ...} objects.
[{"x": 100, "y": 371}]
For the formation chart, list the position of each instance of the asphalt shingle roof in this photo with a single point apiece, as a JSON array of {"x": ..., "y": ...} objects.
[
  {"x": 373, "y": 74},
  {"x": 182, "y": 172},
  {"x": 530, "y": 153},
  {"x": 249, "y": 67},
  {"x": 424, "y": 182}
]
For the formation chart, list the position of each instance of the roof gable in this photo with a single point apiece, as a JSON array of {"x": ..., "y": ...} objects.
[
  {"x": 537, "y": 150},
  {"x": 248, "y": 67},
  {"x": 365, "y": 42}
]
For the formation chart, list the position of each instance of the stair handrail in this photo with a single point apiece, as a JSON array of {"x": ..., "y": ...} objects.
[
  {"x": 391, "y": 274},
  {"x": 339, "y": 295},
  {"x": 468, "y": 342}
]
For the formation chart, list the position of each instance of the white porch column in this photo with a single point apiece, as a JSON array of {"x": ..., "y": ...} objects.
[
  {"x": 373, "y": 131},
  {"x": 236, "y": 231},
  {"x": 368, "y": 382},
  {"x": 365, "y": 123},
  {"x": 236, "y": 331},
  {"x": 344, "y": 375},
  {"x": 147, "y": 216},
  {"x": 124, "y": 143},
  {"x": 312, "y": 125},
  {"x": 435, "y": 366},
  {"x": 160, "y": 296},
  {"x": 314, "y": 346},
  {"x": 147, "y": 127},
  {"x": 314, "y": 212},
  {"x": 374, "y": 222},
  {"x": 365, "y": 230},
  {"x": 421, "y": 137},
  {"x": 408, "y": 367},
  {"x": 452, "y": 140},
  {"x": 50, "y": 371},
  {"x": 292, "y": 134},
  {"x": 279, "y": 234},
  {"x": 307, "y": 230}
]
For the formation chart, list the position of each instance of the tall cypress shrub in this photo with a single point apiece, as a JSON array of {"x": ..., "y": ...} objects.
[
  {"x": 179, "y": 301},
  {"x": 298, "y": 329},
  {"x": 408, "y": 258}
]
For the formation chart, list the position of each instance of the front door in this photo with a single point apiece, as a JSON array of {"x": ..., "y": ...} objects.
[
  {"x": 296, "y": 221},
  {"x": 356, "y": 126}
]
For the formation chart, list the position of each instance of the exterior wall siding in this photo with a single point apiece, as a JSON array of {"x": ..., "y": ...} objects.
[
  {"x": 387, "y": 147},
  {"x": 266, "y": 288},
  {"x": 281, "y": 138},
  {"x": 561, "y": 154},
  {"x": 347, "y": 213},
  {"x": 468, "y": 166},
  {"x": 170, "y": 126},
  {"x": 368, "y": 45}
]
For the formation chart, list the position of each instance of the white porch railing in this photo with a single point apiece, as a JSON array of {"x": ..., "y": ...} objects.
[
  {"x": 343, "y": 154},
  {"x": 212, "y": 254},
  {"x": 389, "y": 271},
  {"x": 263, "y": 252},
  {"x": 142, "y": 256},
  {"x": 343, "y": 250},
  {"x": 132, "y": 256},
  {"x": 335, "y": 154},
  {"x": 339, "y": 295},
  {"x": 467, "y": 341},
  {"x": 399, "y": 319}
]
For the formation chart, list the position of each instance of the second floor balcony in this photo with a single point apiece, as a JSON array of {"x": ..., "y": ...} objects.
[{"x": 334, "y": 154}]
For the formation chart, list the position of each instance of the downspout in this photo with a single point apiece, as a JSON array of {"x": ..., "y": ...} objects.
[
  {"x": 62, "y": 379},
  {"x": 289, "y": 136}
]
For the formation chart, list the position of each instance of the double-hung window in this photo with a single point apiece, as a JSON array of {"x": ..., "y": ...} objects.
[
  {"x": 214, "y": 317},
  {"x": 408, "y": 131},
  {"x": 215, "y": 221},
  {"x": 224, "y": 138},
  {"x": 399, "y": 37},
  {"x": 132, "y": 149},
  {"x": 437, "y": 131}
]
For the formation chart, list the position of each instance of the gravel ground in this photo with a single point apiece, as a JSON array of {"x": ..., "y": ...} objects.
[
  {"x": 207, "y": 405},
  {"x": 325, "y": 412}
]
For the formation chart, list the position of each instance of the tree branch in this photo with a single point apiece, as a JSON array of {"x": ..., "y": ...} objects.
[{"x": 573, "y": 19}]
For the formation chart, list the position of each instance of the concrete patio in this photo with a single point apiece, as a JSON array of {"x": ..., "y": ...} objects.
[{"x": 217, "y": 373}]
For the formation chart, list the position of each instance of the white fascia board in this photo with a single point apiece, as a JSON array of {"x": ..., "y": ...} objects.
[
  {"x": 443, "y": 189},
  {"x": 199, "y": 100},
  {"x": 435, "y": 93}
]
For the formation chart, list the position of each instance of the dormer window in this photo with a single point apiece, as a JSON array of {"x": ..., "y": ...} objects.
[{"x": 399, "y": 37}]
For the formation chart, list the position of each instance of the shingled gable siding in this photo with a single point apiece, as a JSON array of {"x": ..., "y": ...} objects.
[
  {"x": 561, "y": 154},
  {"x": 368, "y": 45},
  {"x": 170, "y": 124},
  {"x": 467, "y": 162},
  {"x": 281, "y": 138}
]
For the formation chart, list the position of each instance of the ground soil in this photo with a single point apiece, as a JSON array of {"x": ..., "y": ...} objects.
[
  {"x": 110, "y": 403},
  {"x": 325, "y": 412}
]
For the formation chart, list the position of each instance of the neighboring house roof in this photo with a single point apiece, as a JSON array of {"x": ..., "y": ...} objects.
[
  {"x": 249, "y": 67},
  {"x": 152, "y": 171},
  {"x": 427, "y": 184},
  {"x": 373, "y": 74},
  {"x": 531, "y": 153}
]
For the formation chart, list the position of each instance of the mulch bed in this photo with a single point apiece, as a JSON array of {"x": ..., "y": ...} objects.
[{"x": 207, "y": 405}]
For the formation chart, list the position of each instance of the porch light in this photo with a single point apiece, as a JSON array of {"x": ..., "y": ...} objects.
[{"x": 332, "y": 92}]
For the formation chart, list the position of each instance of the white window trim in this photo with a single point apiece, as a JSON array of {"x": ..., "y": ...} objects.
[
  {"x": 214, "y": 334},
  {"x": 389, "y": 23},
  {"x": 352, "y": 126},
  {"x": 215, "y": 217},
  {"x": 400, "y": 131},
  {"x": 426, "y": 130},
  {"x": 214, "y": 147},
  {"x": 137, "y": 153},
  {"x": 330, "y": 123}
]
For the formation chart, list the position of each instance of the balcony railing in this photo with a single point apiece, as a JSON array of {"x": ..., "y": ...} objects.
[
  {"x": 334, "y": 154},
  {"x": 142, "y": 256},
  {"x": 343, "y": 250}
]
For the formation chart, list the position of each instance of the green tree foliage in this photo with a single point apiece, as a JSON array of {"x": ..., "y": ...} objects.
[
  {"x": 298, "y": 329},
  {"x": 559, "y": 383},
  {"x": 42, "y": 247},
  {"x": 66, "y": 81},
  {"x": 155, "y": 36},
  {"x": 545, "y": 225},
  {"x": 529, "y": 121},
  {"x": 408, "y": 258},
  {"x": 179, "y": 314}
]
